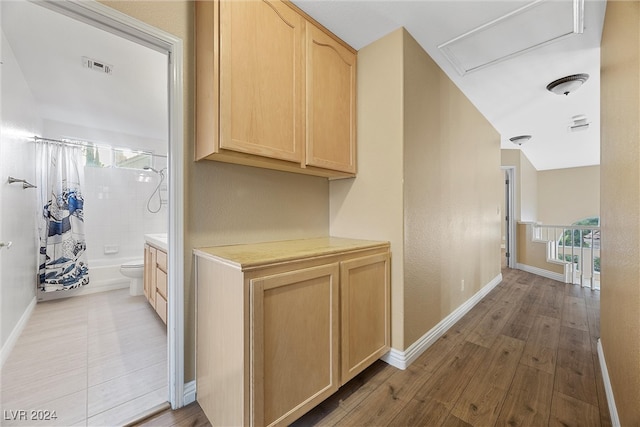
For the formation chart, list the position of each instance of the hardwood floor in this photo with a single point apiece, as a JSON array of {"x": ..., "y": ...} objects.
[
  {"x": 524, "y": 356},
  {"x": 97, "y": 359}
]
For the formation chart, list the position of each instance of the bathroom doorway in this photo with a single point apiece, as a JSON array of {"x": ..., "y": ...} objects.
[{"x": 95, "y": 15}]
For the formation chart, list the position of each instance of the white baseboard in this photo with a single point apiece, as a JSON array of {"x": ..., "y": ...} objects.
[
  {"x": 91, "y": 288},
  {"x": 189, "y": 392},
  {"x": 15, "y": 333},
  {"x": 402, "y": 359},
  {"x": 541, "y": 272},
  {"x": 613, "y": 411}
]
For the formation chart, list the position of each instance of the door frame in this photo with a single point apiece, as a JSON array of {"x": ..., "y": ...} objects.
[
  {"x": 98, "y": 15},
  {"x": 509, "y": 194}
]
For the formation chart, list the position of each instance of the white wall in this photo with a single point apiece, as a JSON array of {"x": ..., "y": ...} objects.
[
  {"x": 116, "y": 211},
  {"x": 60, "y": 130},
  {"x": 20, "y": 121}
]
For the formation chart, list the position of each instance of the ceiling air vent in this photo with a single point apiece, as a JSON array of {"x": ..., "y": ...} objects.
[
  {"x": 579, "y": 123},
  {"x": 96, "y": 65}
]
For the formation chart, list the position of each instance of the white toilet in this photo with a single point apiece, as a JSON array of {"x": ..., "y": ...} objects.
[{"x": 134, "y": 270}]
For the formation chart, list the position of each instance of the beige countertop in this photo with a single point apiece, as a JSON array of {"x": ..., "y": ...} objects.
[{"x": 259, "y": 254}]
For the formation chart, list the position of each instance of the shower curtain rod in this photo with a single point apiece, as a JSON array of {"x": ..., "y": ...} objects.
[{"x": 91, "y": 145}]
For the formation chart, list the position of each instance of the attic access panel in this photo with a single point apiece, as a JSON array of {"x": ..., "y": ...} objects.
[{"x": 532, "y": 26}]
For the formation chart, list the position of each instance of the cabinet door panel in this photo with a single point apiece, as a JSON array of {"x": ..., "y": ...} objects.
[
  {"x": 261, "y": 79},
  {"x": 295, "y": 323},
  {"x": 153, "y": 261},
  {"x": 161, "y": 283},
  {"x": 148, "y": 266},
  {"x": 331, "y": 103},
  {"x": 365, "y": 313},
  {"x": 161, "y": 260},
  {"x": 161, "y": 308}
]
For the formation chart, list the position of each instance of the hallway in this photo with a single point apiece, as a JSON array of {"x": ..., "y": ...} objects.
[{"x": 524, "y": 356}]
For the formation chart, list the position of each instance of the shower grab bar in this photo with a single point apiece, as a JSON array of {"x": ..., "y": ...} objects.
[{"x": 24, "y": 182}]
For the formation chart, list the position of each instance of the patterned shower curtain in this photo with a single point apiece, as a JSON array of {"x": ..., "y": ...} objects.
[{"x": 62, "y": 259}]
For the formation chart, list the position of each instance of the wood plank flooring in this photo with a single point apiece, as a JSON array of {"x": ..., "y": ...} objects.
[
  {"x": 97, "y": 359},
  {"x": 524, "y": 356}
]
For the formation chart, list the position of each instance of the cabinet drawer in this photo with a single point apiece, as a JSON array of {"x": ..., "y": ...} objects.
[
  {"x": 161, "y": 259},
  {"x": 161, "y": 307},
  {"x": 161, "y": 283}
]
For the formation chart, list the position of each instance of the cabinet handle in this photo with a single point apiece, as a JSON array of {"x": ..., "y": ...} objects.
[{"x": 5, "y": 245}]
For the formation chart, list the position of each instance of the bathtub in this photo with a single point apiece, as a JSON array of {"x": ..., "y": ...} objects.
[{"x": 104, "y": 275}]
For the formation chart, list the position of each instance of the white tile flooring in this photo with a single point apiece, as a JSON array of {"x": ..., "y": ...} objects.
[{"x": 96, "y": 360}]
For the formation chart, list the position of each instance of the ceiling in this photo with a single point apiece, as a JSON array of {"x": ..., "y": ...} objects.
[
  {"x": 511, "y": 94},
  {"x": 49, "y": 48}
]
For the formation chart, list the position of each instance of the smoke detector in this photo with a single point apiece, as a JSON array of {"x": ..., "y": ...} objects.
[
  {"x": 96, "y": 65},
  {"x": 520, "y": 139},
  {"x": 579, "y": 123}
]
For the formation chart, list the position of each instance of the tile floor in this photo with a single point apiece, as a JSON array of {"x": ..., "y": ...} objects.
[{"x": 96, "y": 360}]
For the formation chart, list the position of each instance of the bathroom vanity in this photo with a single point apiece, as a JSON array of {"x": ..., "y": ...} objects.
[
  {"x": 155, "y": 273},
  {"x": 282, "y": 325}
]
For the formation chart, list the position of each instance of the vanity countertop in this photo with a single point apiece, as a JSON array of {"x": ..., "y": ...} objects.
[{"x": 159, "y": 240}]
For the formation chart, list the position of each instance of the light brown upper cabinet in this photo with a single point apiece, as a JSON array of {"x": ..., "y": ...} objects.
[
  {"x": 331, "y": 102},
  {"x": 274, "y": 89},
  {"x": 261, "y": 79}
]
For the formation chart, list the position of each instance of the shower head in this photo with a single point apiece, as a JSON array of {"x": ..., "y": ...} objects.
[{"x": 149, "y": 168}]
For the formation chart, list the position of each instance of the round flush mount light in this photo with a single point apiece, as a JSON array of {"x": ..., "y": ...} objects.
[
  {"x": 520, "y": 139},
  {"x": 568, "y": 84}
]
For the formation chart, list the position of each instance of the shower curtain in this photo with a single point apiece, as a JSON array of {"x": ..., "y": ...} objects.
[{"x": 62, "y": 259}]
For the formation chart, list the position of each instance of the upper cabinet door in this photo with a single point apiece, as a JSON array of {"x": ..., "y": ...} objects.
[
  {"x": 261, "y": 79},
  {"x": 331, "y": 103}
]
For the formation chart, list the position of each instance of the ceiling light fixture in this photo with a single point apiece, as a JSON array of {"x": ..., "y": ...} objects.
[
  {"x": 520, "y": 139},
  {"x": 567, "y": 84}
]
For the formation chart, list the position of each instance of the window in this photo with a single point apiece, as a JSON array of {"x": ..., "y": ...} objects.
[{"x": 107, "y": 157}]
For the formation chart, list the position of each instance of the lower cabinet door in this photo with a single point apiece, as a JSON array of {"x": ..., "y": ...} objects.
[
  {"x": 161, "y": 307},
  {"x": 365, "y": 292},
  {"x": 294, "y": 332},
  {"x": 146, "y": 279}
]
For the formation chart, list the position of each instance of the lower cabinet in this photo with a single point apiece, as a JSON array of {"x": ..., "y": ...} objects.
[
  {"x": 295, "y": 324},
  {"x": 365, "y": 313},
  {"x": 155, "y": 279},
  {"x": 278, "y": 334}
]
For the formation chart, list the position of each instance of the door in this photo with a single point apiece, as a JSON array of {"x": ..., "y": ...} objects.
[
  {"x": 365, "y": 313},
  {"x": 294, "y": 326},
  {"x": 262, "y": 79},
  {"x": 94, "y": 14},
  {"x": 508, "y": 224},
  {"x": 331, "y": 103}
]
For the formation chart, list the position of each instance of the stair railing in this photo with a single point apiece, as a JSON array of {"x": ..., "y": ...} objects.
[{"x": 576, "y": 245}]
